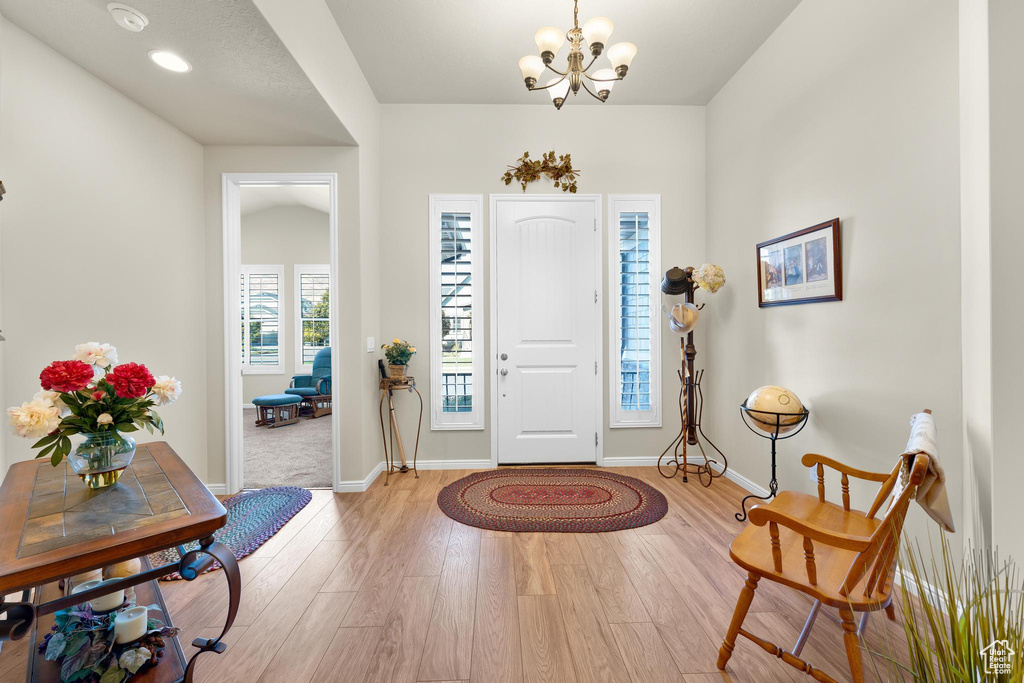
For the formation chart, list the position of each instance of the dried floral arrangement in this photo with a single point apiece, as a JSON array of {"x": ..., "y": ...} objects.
[
  {"x": 559, "y": 170},
  {"x": 83, "y": 643}
]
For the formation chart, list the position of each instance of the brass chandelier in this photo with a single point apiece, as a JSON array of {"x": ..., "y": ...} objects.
[{"x": 595, "y": 34}]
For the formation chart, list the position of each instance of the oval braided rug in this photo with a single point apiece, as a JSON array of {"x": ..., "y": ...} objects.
[
  {"x": 550, "y": 499},
  {"x": 253, "y": 517}
]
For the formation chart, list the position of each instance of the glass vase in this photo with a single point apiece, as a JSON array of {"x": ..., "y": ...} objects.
[{"x": 101, "y": 458}]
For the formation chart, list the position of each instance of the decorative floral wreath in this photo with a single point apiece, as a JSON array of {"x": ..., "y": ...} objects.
[{"x": 560, "y": 171}]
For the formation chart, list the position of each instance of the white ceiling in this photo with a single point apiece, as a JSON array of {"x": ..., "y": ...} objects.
[
  {"x": 466, "y": 51},
  {"x": 258, "y": 198},
  {"x": 244, "y": 87}
]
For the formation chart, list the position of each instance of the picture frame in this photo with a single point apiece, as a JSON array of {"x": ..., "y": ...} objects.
[{"x": 802, "y": 267}]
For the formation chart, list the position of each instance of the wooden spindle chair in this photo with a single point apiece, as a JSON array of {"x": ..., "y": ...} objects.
[{"x": 838, "y": 556}]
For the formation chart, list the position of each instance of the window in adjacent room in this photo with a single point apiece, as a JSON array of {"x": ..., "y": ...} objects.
[
  {"x": 456, "y": 325},
  {"x": 312, "y": 313},
  {"x": 262, "y": 312},
  {"x": 635, "y": 241}
]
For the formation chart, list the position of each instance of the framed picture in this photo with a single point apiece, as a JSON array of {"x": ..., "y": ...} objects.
[{"x": 802, "y": 267}]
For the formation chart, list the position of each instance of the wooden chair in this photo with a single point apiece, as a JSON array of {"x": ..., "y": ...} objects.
[{"x": 840, "y": 557}]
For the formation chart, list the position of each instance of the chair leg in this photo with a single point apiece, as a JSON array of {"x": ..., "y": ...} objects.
[
  {"x": 890, "y": 611},
  {"x": 742, "y": 605},
  {"x": 806, "y": 632},
  {"x": 852, "y": 645}
]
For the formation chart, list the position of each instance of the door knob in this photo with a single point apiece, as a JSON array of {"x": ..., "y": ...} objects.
[
  {"x": 504, "y": 371},
  {"x": 504, "y": 356}
]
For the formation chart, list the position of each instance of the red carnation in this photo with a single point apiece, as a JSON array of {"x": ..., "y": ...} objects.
[
  {"x": 66, "y": 376},
  {"x": 130, "y": 380}
]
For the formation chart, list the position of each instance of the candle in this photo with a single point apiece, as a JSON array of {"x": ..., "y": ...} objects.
[
  {"x": 103, "y": 603},
  {"x": 130, "y": 624},
  {"x": 94, "y": 575}
]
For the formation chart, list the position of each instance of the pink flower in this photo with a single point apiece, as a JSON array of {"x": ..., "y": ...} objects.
[
  {"x": 66, "y": 376},
  {"x": 130, "y": 380}
]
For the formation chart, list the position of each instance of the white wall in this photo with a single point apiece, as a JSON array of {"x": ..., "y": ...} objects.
[
  {"x": 849, "y": 110},
  {"x": 103, "y": 235},
  {"x": 1006, "y": 57},
  {"x": 286, "y": 235},
  {"x": 465, "y": 149}
]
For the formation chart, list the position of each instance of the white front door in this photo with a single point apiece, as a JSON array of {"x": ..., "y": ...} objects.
[{"x": 546, "y": 280}]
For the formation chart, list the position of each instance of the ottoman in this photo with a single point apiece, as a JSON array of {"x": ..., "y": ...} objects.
[{"x": 277, "y": 409}]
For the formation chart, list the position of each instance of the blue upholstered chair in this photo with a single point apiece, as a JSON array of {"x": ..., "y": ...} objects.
[{"x": 315, "y": 389}]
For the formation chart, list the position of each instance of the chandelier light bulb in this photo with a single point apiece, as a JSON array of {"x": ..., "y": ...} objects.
[
  {"x": 531, "y": 66},
  {"x": 604, "y": 81},
  {"x": 621, "y": 56},
  {"x": 596, "y": 32},
  {"x": 549, "y": 41},
  {"x": 558, "y": 92}
]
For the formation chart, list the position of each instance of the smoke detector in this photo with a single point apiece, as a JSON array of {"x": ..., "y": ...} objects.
[{"x": 127, "y": 17}]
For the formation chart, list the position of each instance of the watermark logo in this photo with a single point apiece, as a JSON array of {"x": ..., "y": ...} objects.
[{"x": 998, "y": 657}]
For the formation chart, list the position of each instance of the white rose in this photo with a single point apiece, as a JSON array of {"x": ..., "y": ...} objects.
[
  {"x": 166, "y": 390},
  {"x": 94, "y": 353},
  {"x": 34, "y": 419},
  {"x": 104, "y": 419}
]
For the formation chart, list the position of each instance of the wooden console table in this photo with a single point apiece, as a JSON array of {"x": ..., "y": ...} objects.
[{"x": 53, "y": 526}]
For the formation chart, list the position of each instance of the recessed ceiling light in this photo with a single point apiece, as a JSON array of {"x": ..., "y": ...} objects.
[
  {"x": 170, "y": 61},
  {"x": 127, "y": 17}
]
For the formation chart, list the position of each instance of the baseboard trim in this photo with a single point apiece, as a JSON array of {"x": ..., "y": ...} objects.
[
  {"x": 453, "y": 464},
  {"x": 360, "y": 485},
  {"x": 218, "y": 489},
  {"x": 641, "y": 461}
]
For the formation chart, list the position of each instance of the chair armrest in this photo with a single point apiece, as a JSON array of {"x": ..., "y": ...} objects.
[
  {"x": 323, "y": 386},
  {"x": 763, "y": 514},
  {"x": 811, "y": 459},
  {"x": 301, "y": 381}
]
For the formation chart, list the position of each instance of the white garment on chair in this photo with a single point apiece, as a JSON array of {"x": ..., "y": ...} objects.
[{"x": 931, "y": 494}]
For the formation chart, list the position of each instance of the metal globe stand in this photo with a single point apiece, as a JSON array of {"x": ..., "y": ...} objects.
[{"x": 769, "y": 426}]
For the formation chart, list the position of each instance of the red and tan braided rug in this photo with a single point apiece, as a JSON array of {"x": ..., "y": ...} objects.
[{"x": 549, "y": 499}]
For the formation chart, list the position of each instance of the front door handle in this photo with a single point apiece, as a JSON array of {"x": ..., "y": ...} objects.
[
  {"x": 504, "y": 371},
  {"x": 504, "y": 356}
]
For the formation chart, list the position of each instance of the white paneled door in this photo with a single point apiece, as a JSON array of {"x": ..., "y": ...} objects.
[{"x": 547, "y": 322}]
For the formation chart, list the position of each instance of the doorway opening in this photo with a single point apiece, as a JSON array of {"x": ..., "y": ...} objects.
[{"x": 280, "y": 270}]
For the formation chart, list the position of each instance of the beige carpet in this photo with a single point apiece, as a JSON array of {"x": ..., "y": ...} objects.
[{"x": 293, "y": 455}]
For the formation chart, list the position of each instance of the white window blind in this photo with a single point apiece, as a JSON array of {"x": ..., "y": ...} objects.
[
  {"x": 456, "y": 328},
  {"x": 312, "y": 313},
  {"x": 635, "y": 236},
  {"x": 262, "y": 305}
]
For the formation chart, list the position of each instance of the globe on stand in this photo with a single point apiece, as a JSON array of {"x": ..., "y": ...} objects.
[{"x": 772, "y": 407}]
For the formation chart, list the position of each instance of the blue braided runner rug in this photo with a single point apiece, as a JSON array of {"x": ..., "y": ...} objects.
[{"x": 253, "y": 517}]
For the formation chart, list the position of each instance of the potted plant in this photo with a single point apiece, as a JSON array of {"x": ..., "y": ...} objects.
[
  {"x": 399, "y": 352},
  {"x": 966, "y": 620},
  {"x": 93, "y": 396}
]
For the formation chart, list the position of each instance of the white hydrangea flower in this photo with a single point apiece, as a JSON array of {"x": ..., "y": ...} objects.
[
  {"x": 94, "y": 353},
  {"x": 709, "y": 277},
  {"x": 34, "y": 419},
  {"x": 166, "y": 390}
]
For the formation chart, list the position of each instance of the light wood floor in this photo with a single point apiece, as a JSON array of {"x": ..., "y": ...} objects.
[{"x": 382, "y": 586}]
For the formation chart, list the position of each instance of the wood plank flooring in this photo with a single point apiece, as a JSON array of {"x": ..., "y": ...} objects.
[{"x": 382, "y": 586}]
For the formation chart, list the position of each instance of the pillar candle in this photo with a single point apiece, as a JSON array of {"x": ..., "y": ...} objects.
[
  {"x": 103, "y": 603},
  {"x": 130, "y": 624}
]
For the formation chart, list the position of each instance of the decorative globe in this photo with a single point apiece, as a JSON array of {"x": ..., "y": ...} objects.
[{"x": 773, "y": 399}]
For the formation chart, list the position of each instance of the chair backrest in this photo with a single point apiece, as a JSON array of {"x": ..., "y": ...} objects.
[
  {"x": 880, "y": 557},
  {"x": 322, "y": 363}
]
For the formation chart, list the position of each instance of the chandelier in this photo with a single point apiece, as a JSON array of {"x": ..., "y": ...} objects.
[{"x": 595, "y": 34}]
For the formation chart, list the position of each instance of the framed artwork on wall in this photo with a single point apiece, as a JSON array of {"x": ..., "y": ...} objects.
[{"x": 802, "y": 267}]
